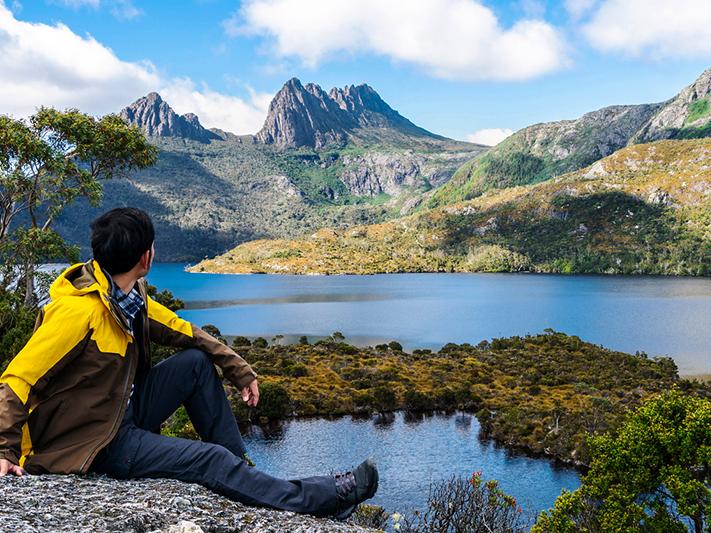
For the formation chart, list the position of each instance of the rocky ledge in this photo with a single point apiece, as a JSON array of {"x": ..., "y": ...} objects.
[{"x": 98, "y": 503}]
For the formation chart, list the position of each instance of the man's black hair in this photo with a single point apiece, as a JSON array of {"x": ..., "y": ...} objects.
[{"x": 120, "y": 237}]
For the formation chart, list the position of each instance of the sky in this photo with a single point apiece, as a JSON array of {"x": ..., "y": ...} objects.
[{"x": 469, "y": 69}]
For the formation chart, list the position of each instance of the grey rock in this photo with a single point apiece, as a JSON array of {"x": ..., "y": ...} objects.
[
  {"x": 659, "y": 197},
  {"x": 157, "y": 119},
  {"x": 305, "y": 115},
  {"x": 374, "y": 173},
  {"x": 668, "y": 121},
  {"x": 96, "y": 503}
]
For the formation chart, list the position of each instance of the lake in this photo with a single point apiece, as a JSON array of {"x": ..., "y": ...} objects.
[
  {"x": 657, "y": 315},
  {"x": 410, "y": 452},
  {"x": 661, "y": 316}
]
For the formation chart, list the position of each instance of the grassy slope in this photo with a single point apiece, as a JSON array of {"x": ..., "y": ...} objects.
[{"x": 607, "y": 218}]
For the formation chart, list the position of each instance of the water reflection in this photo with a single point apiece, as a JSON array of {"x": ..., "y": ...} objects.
[{"x": 411, "y": 450}]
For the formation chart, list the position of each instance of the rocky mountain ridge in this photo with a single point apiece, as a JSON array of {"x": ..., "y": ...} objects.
[
  {"x": 306, "y": 116},
  {"x": 211, "y": 189},
  {"x": 157, "y": 119}
]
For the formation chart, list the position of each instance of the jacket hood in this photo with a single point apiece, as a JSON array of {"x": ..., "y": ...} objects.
[{"x": 79, "y": 279}]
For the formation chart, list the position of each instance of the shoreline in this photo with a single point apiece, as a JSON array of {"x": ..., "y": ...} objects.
[
  {"x": 461, "y": 272},
  {"x": 513, "y": 448}
]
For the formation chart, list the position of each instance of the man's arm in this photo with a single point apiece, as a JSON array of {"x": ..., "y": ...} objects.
[
  {"x": 61, "y": 331},
  {"x": 168, "y": 329}
]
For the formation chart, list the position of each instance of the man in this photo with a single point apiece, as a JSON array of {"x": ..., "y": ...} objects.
[{"x": 82, "y": 395}]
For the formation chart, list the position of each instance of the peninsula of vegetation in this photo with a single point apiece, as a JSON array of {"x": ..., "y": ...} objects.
[{"x": 544, "y": 393}]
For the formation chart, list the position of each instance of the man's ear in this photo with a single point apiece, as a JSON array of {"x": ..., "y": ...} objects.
[{"x": 146, "y": 258}]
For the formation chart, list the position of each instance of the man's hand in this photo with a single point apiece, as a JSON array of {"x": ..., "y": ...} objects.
[
  {"x": 250, "y": 393},
  {"x": 7, "y": 467}
]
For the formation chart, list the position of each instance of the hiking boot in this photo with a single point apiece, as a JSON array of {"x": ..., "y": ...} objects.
[{"x": 355, "y": 486}]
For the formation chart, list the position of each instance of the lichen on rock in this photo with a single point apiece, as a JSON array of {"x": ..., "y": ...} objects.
[{"x": 95, "y": 503}]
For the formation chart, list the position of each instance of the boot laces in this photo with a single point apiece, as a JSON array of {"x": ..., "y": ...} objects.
[{"x": 345, "y": 482}]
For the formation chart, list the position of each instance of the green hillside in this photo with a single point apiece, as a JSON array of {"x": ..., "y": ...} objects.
[
  {"x": 543, "y": 151},
  {"x": 646, "y": 209}
]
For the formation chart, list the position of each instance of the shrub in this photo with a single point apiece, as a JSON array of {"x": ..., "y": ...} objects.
[
  {"x": 417, "y": 401},
  {"x": 260, "y": 342},
  {"x": 472, "y": 505},
  {"x": 239, "y": 342},
  {"x": 274, "y": 401},
  {"x": 395, "y": 346}
]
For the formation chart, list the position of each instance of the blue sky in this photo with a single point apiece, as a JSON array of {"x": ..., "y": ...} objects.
[{"x": 455, "y": 67}]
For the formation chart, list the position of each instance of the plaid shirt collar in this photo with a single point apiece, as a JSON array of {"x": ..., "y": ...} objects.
[{"x": 130, "y": 304}]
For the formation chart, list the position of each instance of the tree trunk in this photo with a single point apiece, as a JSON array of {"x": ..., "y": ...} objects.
[{"x": 29, "y": 285}]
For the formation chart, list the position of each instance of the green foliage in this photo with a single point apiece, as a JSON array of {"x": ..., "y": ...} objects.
[
  {"x": 179, "y": 425},
  {"x": 260, "y": 342},
  {"x": 544, "y": 393},
  {"x": 472, "y": 505},
  {"x": 646, "y": 212},
  {"x": 654, "y": 474},
  {"x": 46, "y": 163},
  {"x": 274, "y": 401},
  {"x": 697, "y": 110},
  {"x": 165, "y": 297},
  {"x": 16, "y": 324},
  {"x": 511, "y": 169},
  {"x": 370, "y": 516},
  {"x": 240, "y": 341},
  {"x": 494, "y": 258}
]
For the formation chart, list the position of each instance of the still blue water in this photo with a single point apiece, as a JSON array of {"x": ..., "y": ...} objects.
[
  {"x": 410, "y": 453},
  {"x": 660, "y": 316}
]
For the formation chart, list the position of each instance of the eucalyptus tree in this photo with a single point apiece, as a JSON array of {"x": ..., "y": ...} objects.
[{"x": 46, "y": 162}]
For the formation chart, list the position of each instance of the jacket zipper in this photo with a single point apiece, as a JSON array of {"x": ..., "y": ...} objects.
[{"x": 114, "y": 428}]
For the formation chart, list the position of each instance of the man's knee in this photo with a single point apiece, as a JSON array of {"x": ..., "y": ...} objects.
[{"x": 195, "y": 358}]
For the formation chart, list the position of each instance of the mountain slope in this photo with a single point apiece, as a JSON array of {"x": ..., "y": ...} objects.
[
  {"x": 211, "y": 190},
  {"x": 542, "y": 151},
  {"x": 644, "y": 209}
]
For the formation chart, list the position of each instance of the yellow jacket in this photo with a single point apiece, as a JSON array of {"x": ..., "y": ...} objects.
[{"x": 63, "y": 396}]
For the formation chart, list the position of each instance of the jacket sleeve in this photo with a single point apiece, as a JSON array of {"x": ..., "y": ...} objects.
[
  {"x": 60, "y": 332},
  {"x": 168, "y": 329}
]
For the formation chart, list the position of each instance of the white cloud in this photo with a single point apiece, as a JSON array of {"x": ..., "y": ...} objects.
[
  {"x": 578, "y": 8},
  {"x": 76, "y": 4},
  {"x": 652, "y": 28},
  {"x": 490, "y": 136},
  {"x": 453, "y": 39},
  {"x": 217, "y": 110},
  {"x": 125, "y": 10},
  {"x": 50, "y": 65}
]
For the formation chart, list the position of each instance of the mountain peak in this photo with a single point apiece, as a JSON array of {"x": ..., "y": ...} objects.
[
  {"x": 686, "y": 115},
  {"x": 305, "y": 115},
  {"x": 157, "y": 119}
]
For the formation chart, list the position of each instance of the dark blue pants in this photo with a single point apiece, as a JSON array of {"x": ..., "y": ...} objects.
[{"x": 217, "y": 462}]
